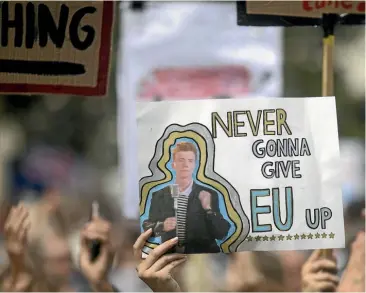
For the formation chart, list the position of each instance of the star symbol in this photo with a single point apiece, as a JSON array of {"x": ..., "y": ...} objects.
[
  {"x": 310, "y": 236},
  {"x": 303, "y": 236},
  {"x": 297, "y": 236},
  {"x": 265, "y": 238},
  {"x": 281, "y": 237},
  {"x": 273, "y": 238},
  {"x": 250, "y": 238},
  {"x": 324, "y": 235},
  {"x": 289, "y": 237},
  {"x": 258, "y": 238},
  {"x": 331, "y": 235},
  {"x": 317, "y": 235}
]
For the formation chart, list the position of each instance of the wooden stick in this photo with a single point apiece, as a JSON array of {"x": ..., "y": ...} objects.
[
  {"x": 328, "y": 75},
  {"x": 328, "y": 72}
]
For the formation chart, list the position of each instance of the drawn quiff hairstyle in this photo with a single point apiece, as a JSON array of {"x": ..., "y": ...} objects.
[{"x": 184, "y": 147}]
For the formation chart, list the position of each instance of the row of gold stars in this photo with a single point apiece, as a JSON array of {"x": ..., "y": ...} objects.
[{"x": 291, "y": 237}]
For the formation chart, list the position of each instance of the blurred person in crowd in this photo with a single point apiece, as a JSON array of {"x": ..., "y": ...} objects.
[
  {"x": 292, "y": 262},
  {"x": 50, "y": 256},
  {"x": 157, "y": 270},
  {"x": 124, "y": 275},
  {"x": 255, "y": 272},
  {"x": 353, "y": 278}
]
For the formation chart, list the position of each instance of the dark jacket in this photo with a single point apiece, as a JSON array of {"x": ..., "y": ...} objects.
[{"x": 202, "y": 227}]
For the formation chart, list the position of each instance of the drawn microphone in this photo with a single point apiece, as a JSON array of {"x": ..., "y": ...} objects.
[
  {"x": 180, "y": 207},
  {"x": 174, "y": 191},
  {"x": 94, "y": 245}
]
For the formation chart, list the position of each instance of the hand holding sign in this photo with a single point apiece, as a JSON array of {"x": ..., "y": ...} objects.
[
  {"x": 156, "y": 269},
  {"x": 319, "y": 274},
  {"x": 205, "y": 198},
  {"x": 96, "y": 271}
]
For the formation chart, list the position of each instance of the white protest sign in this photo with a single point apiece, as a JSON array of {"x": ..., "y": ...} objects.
[{"x": 244, "y": 174}]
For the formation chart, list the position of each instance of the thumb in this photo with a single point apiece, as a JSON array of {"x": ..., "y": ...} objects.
[
  {"x": 94, "y": 211},
  {"x": 315, "y": 255}
]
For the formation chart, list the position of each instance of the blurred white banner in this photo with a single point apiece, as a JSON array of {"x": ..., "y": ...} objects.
[{"x": 182, "y": 51}]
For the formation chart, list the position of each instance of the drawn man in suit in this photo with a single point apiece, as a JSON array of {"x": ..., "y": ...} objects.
[{"x": 204, "y": 222}]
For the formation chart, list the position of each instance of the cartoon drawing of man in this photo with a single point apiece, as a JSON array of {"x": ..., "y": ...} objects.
[{"x": 203, "y": 222}]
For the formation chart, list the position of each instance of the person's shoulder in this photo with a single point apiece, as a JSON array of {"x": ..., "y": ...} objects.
[{"x": 161, "y": 192}]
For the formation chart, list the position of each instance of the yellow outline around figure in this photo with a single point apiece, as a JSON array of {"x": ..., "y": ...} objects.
[{"x": 234, "y": 216}]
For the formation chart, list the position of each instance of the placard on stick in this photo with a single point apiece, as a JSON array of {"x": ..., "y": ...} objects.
[
  {"x": 54, "y": 47},
  {"x": 304, "y": 8},
  {"x": 326, "y": 14}
]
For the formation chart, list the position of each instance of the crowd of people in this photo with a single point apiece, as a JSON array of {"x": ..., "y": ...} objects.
[{"x": 47, "y": 243}]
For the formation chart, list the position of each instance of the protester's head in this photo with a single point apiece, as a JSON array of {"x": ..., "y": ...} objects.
[
  {"x": 50, "y": 256},
  {"x": 292, "y": 262},
  {"x": 255, "y": 272},
  {"x": 184, "y": 159},
  {"x": 270, "y": 267}
]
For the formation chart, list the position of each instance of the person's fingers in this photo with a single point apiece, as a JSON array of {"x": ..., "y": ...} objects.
[
  {"x": 326, "y": 287},
  {"x": 165, "y": 260},
  {"x": 22, "y": 217},
  {"x": 171, "y": 220},
  {"x": 98, "y": 226},
  {"x": 95, "y": 210},
  {"x": 315, "y": 255},
  {"x": 323, "y": 265},
  {"x": 23, "y": 230},
  {"x": 9, "y": 220},
  {"x": 169, "y": 267},
  {"x": 90, "y": 235},
  {"x": 139, "y": 244},
  {"x": 326, "y": 277},
  {"x": 157, "y": 252}
]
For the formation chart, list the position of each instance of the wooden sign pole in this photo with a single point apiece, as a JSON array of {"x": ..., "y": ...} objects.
[{"x": 329, "y": 22}]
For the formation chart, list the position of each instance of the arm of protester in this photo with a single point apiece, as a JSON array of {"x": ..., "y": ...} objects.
[
  {"x": 156, "y": 269},
  {"x": 16, "y": 230},
  {"x": 96, "y": 271},
  {"x": 353, "y": 279},
  {"x": 319, "y": 274}
]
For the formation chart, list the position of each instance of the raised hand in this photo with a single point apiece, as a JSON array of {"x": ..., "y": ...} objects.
[
  {"x": 205, "y": 198},
  {"x": 319, "y": 274},
  {"x": 16, "y": 230},
  {"x": 156, "y": 269},
  {"x": 96, "y": 270}
]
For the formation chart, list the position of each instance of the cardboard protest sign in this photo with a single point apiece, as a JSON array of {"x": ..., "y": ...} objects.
[
  {"x": 57, "y": 47},
  {"x": 305, "y": 8},
  {"x": 243, "y": 174}
]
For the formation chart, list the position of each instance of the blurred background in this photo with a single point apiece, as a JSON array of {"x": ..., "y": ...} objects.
[{"x": 69, "y": 145}]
